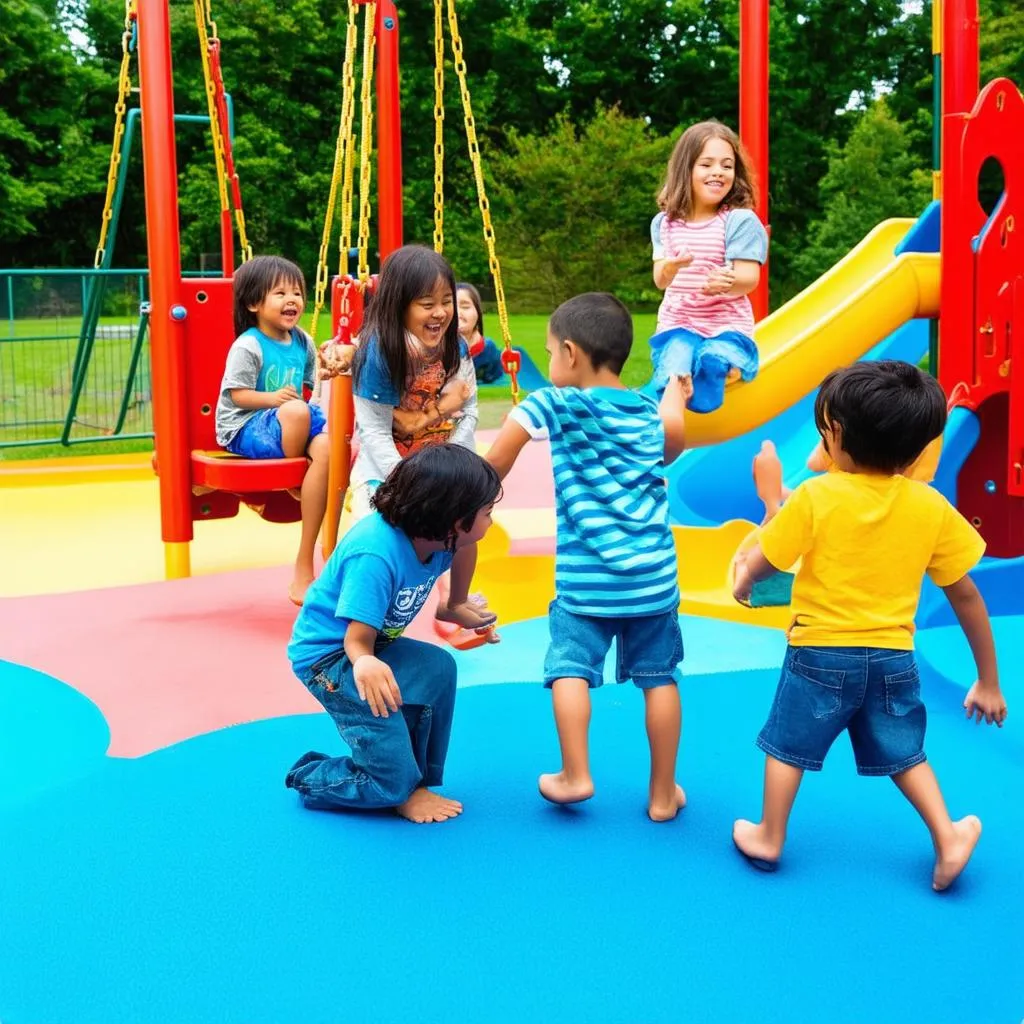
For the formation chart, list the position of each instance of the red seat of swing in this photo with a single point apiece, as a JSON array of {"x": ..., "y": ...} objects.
[{"x": 222, "y": 471}]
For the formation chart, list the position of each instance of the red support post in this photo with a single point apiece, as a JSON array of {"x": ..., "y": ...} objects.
[
  {"x": 166, "y": 325},
  {"x": 389, "y": 132},
  {"x": 961, "y": 75},
  {"x": 754, "y": 117}
]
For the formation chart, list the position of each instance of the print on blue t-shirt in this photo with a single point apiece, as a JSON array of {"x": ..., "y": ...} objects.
[
  {"x": 284, "y": 362},
  {"x": 375, "y": 577}
]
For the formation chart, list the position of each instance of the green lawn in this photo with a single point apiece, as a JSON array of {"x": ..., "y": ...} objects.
[{"x": 36, "y": 359}]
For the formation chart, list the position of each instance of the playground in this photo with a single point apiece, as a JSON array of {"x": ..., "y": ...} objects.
[{"x": 154, "y": 867}]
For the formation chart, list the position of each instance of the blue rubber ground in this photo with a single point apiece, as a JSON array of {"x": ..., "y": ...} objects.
[{"x": 189, "y": 885}]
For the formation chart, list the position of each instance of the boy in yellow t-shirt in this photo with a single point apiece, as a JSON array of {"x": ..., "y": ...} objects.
[{"x": 867, "y": 535}]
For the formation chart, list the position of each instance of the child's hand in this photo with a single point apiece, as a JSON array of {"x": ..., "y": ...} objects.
[
  {"x": 720, "y": 280},
  {"x": 334, "y": 358},
  {"x": 678, "y": 260},
  {"x": 375, "y": 683},
  {"x": 285, "y": 394},
  {"x": 986, "y": 701},
  {"x": 742, "y": 584}
]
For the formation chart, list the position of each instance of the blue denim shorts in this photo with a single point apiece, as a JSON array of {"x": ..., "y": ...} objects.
[
  {"x": 260, "y": 435},
  {"x": 872, "y": 692},
  {"x": 649, "y": 648}
]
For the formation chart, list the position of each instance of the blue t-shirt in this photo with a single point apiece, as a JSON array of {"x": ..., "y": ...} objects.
[
  {"x": 615, "y": 555},
  {"x": 373, "y": 576}
]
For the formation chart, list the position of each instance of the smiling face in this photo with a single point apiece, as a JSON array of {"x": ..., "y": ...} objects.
[
  {"x": 467, "y": 315},
  {"x": 428, "y": 316},
  {"x": 713, "y": 175},
  {"x": 280, "y": 309}
]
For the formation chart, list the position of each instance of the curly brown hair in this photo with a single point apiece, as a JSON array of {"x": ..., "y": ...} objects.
[{"x": 676, "y": 195}]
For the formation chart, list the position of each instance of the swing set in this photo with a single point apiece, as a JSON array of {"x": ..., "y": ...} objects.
[{"x": 190, "y": 319}]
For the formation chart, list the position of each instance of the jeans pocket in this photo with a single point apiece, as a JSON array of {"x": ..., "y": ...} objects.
[
  {"x": 902, "y": 692},
  {"x": 823, "y": 685}
]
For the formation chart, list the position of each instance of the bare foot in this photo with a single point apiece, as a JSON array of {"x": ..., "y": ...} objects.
[
  {"x": 559, "y": 790},
  {"x": 751, "y": 842},
  {"x": 952, "y": 860},
  {"x": 662, "y": 811},
  {"x": 424, "y": 806},
  {"x": 297, "y": 590}
]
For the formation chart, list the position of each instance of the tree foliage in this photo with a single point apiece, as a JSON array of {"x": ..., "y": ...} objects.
[{"x": 537, "y": 71}]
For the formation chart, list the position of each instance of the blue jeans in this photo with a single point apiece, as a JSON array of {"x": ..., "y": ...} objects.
[
  {"x": 391, "y": 756},
  {"x": 649, "y": 648},
  {"x": 260, "y": 435},
  {"x": 873, "y": 693}
]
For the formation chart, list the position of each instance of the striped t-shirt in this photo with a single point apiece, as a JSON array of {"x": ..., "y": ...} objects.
[
  {"x": 730, "y": 235},
  {"x": 615, "y": 553}
]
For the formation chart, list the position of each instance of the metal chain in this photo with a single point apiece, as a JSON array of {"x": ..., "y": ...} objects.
[
  {"x": 438, "y": 127},
  {"x": 366, "y": 143},
  {"x": 342, "y": 163},
  {"x": 211, "y": 104},
  {"x": 485, "y": 209},
  {"x": 124, "y": 84}
]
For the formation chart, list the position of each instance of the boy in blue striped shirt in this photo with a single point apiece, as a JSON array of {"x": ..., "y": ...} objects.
[{"x": 615, "y": 564}]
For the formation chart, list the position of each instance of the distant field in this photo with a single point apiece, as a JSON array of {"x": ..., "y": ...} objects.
[{"x": 37, "y": 357}]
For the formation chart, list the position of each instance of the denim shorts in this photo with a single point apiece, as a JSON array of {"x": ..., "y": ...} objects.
[
  {"x": 872, "y": 692},
  {"x": 649, "y": 648},
  {"x": 260, "y": 435}
]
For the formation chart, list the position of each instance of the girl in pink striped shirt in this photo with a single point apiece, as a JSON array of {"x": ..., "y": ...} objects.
[{"x": 709, "y": 247}]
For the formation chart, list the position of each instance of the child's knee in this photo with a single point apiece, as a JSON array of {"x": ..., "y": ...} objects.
[
  {"x": 319, "y": 448},
  {"x": 294, "y": 412},
  {"x": 439, "y": 666}
]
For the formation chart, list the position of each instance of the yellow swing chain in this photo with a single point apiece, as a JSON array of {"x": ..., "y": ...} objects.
[
  {"x": 124, "y": 85},
  {"x": 341, "y": 173},
  {"x": 438, "y": 126},
  {"x": 485, "y": 209},
  {"x": 211, "y": 104},
  {"x": 366, "y": 143}
]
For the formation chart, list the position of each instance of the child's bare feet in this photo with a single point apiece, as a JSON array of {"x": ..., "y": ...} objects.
[
  {"x": 424, "y": 806},
  {"x": 750, "y": 840},
  {"x": 561, "y": 790},
  {"x": 951, "y": 860},
  {"x": 297, "y": 590},
  {"x": 666, "y": 810},
  {"x": 469, "y": 615}
]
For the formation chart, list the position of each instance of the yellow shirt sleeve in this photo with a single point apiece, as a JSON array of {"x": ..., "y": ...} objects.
[
  {"x": 788, "y": 535},
  {"x": 958, "y": 549}
]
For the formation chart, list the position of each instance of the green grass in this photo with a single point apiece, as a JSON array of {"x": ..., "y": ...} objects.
[{"x": 37, "y": 356}]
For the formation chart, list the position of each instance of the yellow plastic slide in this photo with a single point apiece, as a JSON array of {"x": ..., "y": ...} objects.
[{"x": 864, "y": 298}]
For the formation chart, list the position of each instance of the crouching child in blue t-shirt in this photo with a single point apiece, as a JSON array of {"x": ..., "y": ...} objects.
[
  {"x": 392, "y": 698},
  {"x": 615, "y": 562}
]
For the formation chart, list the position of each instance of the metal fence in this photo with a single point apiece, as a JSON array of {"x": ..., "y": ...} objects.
[{"x": 74, "y": 356}]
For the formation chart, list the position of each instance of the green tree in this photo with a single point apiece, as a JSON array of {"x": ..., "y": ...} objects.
[
  {"x": 872, "y": 177},
  {"x": 48, "y": 161},
  {"x": 576, "y": 206}
]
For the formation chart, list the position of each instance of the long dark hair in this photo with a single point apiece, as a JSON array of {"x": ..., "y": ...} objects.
[
  {"x": 407, "y": 274},
  {"x": 438, "y": 488},
  {"x": 255, "y": 280},
  {"x": 474, "y": 297},
  {"x": 676, "y": 195}
]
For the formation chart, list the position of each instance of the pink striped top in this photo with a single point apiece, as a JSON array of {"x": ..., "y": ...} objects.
[{"x": 684, "y": 304}]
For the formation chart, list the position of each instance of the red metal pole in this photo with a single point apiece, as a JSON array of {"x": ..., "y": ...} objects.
[
  {"x": 754, "y": 117},
  {"x": 166, "y": 325},
  {"x": 960, "y": 63},
  {"x": 389, "y": 132}
]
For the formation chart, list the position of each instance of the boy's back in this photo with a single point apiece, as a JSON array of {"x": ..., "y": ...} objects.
[
  {"x": 615, "y": 552},
  {"x": 867, "y": 541}
]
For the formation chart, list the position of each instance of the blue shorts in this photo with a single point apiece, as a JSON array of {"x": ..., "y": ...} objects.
[
  {"x": 872, "y": 692},
  {"x": 649, "y": 648},
  {"x": 260, "y": 435}
]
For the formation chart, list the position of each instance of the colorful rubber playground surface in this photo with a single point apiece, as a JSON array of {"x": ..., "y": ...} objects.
[{"x": 154, "y": 868}]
